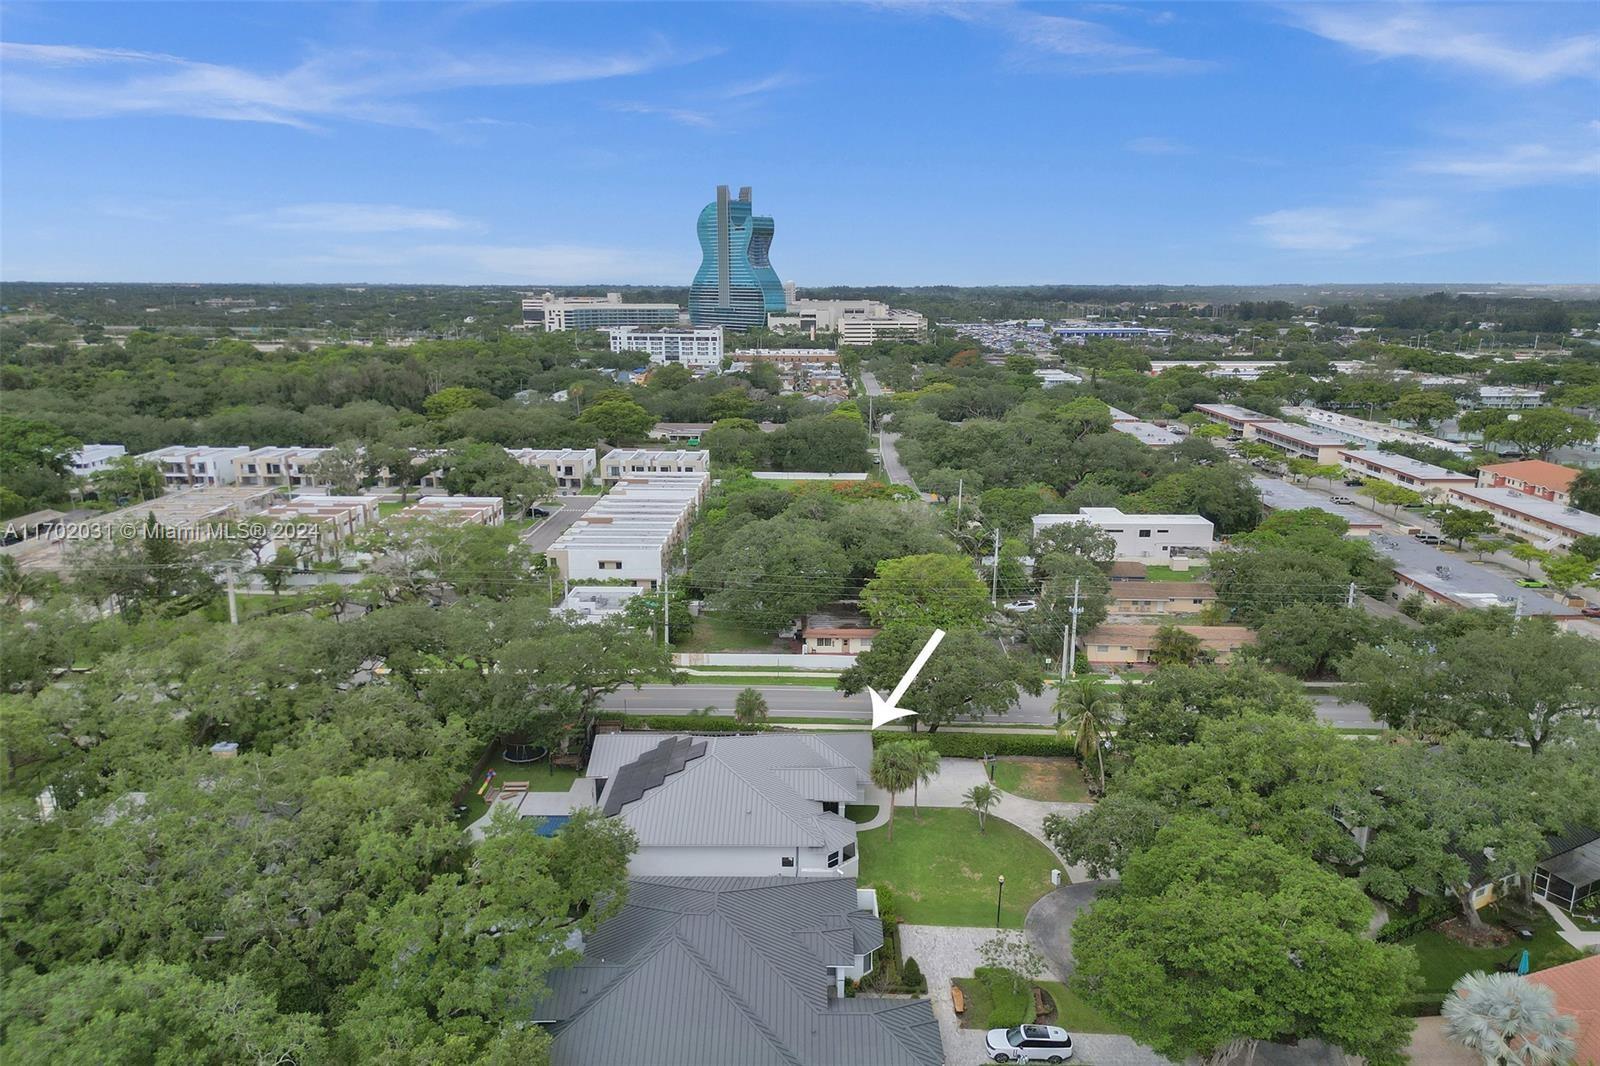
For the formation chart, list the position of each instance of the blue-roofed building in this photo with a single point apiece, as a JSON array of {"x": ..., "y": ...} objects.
[{"x": 735, "y": 286}]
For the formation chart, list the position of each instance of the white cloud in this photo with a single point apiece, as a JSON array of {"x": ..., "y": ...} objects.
[
  {"x": 1397, "y": 227},
  {"x": 68, "y": 81},
  {"x": 1519, "y": 164},
  {"x": 1059, "y": 42},
  {"x": 355, "y": 218},
  {"x": 1474, "y": 38},
  {"x": 682, "y": 115},
  {"x": 1156, "y": 146}
]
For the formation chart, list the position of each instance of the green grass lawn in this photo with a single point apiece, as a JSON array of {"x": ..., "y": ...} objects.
[
  {"x": 387, "y": 509},
  {"x": 1049, "y": 780},
  {"x": 1442, "y": 960},
  {"x": 1166, "y": 573},
  {"x": 1073, "y": 1014},
  {"x": 942, "y": 871},
  {"x": 860, "y": 813},
  {"x": 539, "y": 776},
  {"x": 720, "y": 634}
]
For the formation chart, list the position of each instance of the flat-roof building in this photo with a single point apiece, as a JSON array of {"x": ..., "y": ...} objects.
[
  {"x": 630, "y": 533},
  {"x": 554, "y": 314},
  {"x": 1241, "y": 420},
  {"x": 1547, "y": 524},
  {"x": 573, "y": 468},
  {"x": 1443, "y": 578},
  {"x": 1141, "y": 536},
  {"x": 463, "y": 510},
  {"x": 284, "y": 467},
  {"x": 92, "y": 457},
  {"x": 1148, "y": 433},
  {"x": 1301, "y": 442},
  {"x": 194, "y": 466},
  {"x": 1370, "y": 434},
  {"x": 646, "y": 462},
  {"x": 318, "y": 523},
  {"x": 1402, "y": 470},
  {"x": 695, "y": 347}
]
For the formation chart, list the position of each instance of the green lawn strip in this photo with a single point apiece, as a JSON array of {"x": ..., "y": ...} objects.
[
  {"x": 861, "y": 813},
  {"x": 539, "y": 776},
  {"x": 1048, "y": 780},
  {"x": 942, "y": 870},
  {"x": 1073, "y": 1014},
  {"x": 713, "y": 634},
  {"x": 387, "y": 509},
  {"x": 1166, "y": 573},
  {"x": 1442, "y": 960}
]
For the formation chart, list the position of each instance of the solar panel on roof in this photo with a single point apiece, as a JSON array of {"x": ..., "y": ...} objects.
[{"x": 649, "y": 770}]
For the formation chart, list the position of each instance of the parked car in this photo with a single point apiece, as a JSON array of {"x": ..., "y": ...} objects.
[
  {"x": 1022, "y": 605},
  {"x": 1344, "y": 500},
  {"x": 1591, "y": 612},
  {"x": 1533, "y": 583},
  {"x": 1355, "y": 482},
  {"x": 1030, "y": 1043},
  {"x": 1427, "y": 538}
]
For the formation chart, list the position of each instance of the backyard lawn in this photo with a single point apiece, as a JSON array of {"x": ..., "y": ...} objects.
[
  {"x": 942, "y": 871},
  {"x": 720, "y": 634},
  {"x": 1442, "y": 960},
  {"x": 539, "y": 776},
  {"x": 1166, "y": 573},
  {"x": 1050, "y": 780},
  {"x": 1072, "y": 1013}
]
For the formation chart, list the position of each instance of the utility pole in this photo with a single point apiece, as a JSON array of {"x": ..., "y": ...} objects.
[
  {"x": 233, "y": 599},
  {"x": 960, "y": 483},
  {"x": 666, "y": 607},
  {"x": 994, "y": 571},
  {"x": 1072, "y": 641},
  {"x": 1350, "y": 595}
]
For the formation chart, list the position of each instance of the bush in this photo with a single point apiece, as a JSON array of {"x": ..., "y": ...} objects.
[
  {"x": 1012, "y": 1002},
  {"x": 911, "y": 976},
  {"x": 1429, "y": 911},
  {"x": 680, "y": 723},
  {"x": 977, "y": 745}
]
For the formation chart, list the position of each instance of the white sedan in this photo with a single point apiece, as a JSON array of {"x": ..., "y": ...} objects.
[{"x": 1029, "y": 1043}]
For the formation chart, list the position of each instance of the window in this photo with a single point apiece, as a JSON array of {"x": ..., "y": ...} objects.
[
  {"x": 833, "y": 859},
  {"x": 831, "y": 807},
  {"x": 1144, "y": 534},
  {"x": 788, "y": 862},
  {"x": 824, "y": 642},
  {"x": 849, "y": 852},
  {"x": 1102, "y": 647}
]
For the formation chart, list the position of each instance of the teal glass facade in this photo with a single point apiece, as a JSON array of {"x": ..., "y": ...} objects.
[{"x": 735, "y": 286}]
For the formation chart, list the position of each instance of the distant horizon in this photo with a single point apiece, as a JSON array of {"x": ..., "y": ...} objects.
[{"x": 986, "y": 142}]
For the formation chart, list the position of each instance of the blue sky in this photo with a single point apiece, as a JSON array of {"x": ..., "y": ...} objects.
[{"x": 895, "y": 143}]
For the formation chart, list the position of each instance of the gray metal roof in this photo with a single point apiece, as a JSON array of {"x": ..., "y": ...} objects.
[
  {"x": 753, "y": 791},
  {"x": 731, "y": 972}
]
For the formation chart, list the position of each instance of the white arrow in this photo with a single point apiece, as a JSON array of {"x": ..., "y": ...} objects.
[{"x": 887, "y": 710}]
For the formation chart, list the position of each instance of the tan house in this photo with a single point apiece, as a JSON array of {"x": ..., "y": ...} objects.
[
  {"x": 1160, "y": 597},
  {"x": 836, "y": 634},
  {"x": 1119, "y": 645}
]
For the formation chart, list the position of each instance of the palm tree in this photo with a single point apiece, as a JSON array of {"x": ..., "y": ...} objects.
[
  {"x": 980, "y": 798},
  {"x": 1087, "y": 710},
  {"x": 1509, "y": 1021},
  {"x": 924, "y": 763},
  {"x": 892, "y": 772}
]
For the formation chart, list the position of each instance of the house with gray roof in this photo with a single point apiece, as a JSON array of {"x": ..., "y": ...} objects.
[
  {"x": 734, "y": 971},
  {"x": 735, "y": 806}
]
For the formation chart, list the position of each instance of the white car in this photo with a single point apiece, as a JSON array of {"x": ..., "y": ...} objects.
[
  {"x": 1029, "y": 1043},
  {"x": 1347, "y": 500},
  {"x": 1022, "y": 605}
]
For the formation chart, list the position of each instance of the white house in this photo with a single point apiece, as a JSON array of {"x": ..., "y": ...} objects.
[
  {"x": 636, "y": 462},
  {"x": 189, "y": 466},
  {"x": 572, "y": 468},
  {"x": 92, "y": 457},
  {"x": 769, "y": 805},
  {"x": 1141, "y": 536}
]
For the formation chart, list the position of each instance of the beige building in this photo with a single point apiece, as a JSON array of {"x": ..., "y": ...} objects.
[
  {"x": 1161, "y": 597},
  {"x": 465, "y": 510},
  {"x": 573, "y": 468},
  {"x": 1118, "y": 645},
  {"x": 837, "y": 634},
  {"x": 646, "y": 462},
  {"x": 317, "y": 524}
]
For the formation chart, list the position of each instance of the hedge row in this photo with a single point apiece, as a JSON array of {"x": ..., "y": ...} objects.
[
  {"x": 977, "y": 745},
  {"x": 678, "y": 723},
  {"x": 1430, "y": 911}
]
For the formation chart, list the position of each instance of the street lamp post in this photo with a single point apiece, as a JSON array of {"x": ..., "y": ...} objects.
[{"x": 1000, "y": 894}]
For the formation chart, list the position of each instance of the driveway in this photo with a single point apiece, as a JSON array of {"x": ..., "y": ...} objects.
[
  {"x": 545, "y": 533},
  {"x": 1049, "y": 922}
]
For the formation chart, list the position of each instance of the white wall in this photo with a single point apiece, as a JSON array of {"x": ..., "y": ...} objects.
[{"x": 734, "y": 862}]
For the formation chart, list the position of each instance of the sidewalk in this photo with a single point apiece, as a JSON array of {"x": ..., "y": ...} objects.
[{"x": 1570, "y": 932}]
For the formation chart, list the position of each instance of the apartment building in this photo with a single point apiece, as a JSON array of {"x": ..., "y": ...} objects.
[
  {"x": 1509, "y": 397},
  {"x": 317, "y": 524},
  {"x": 284, "y": 467},
  {"x": 554, "y": 314},
  {"x": 694, "y": 347},
  {"x": 1241, "y": 420},
  {"x": 1147, "y": 433},
  {"x": 858, "y": 322},
  {"x": 92, "y": 457},
  {"x": 1532, "y": 477},
  {"x": 1546, "y": 524},
  {"x": 631, "y": 532},
  {"x": 864, "y": 329},
  {"x": 1160, "y": 597},
  {"x": 1301, "y": 442},
  {"x": 1123, "y": 645},
  {"x": 785, "y": 358},
  {"x": 648, "y": 462},
  {"x": 463, "y": 510},
  {"x": 1141, "y": 536},
  {"x": 194, "y": 466},
  {"x": 1370, "y": 434},
  {"x": 1430, "y": 480},
  {"x": 573, "y": 468}
]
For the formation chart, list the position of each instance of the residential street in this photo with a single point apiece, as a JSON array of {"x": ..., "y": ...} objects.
[
  {"x": 545, "y": 533},
  {"x": 801, "y": 701}
]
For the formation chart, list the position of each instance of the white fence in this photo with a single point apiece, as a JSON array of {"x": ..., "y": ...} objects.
[{"x": 739, "y": 658}]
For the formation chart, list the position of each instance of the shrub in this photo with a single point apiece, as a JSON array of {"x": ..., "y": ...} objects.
[
  {"x": 1011, "y": 998},
  {"x": 1429, "y": 910},
  {"x": 911, "y": 976},
  {"x": 977, "y": 745},
  {"x": 681, "y": 723}
]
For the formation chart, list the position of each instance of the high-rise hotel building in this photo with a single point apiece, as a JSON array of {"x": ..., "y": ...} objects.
[{"x": 735, "y": 286}]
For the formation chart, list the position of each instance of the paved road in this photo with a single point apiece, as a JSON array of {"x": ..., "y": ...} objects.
[
  {"x": 545, "y": 533},
  {"x": 1049, "y": 922},
  {"x": 893, "y": 468},
  {"x": 869, "y": 381},
  {"x": 796, "y": 700}
]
